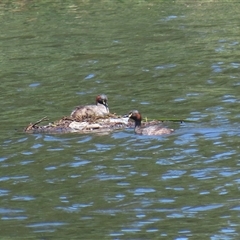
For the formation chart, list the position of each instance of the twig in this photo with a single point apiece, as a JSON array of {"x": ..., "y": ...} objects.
[
  {"x": 39, "y": 121},
  {"x": 30, "y": 126}
]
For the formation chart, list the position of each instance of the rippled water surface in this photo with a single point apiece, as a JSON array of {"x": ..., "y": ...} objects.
[{"x": 169, "y": 60}]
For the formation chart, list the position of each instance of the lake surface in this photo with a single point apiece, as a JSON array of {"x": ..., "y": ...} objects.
[{"x": 169, "y": 60}]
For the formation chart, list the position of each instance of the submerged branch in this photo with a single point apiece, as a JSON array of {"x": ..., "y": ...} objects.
[{"x": 168, "y": 120}]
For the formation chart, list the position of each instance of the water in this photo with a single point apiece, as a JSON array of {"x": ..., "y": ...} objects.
[{"x": 168, "y": 60}]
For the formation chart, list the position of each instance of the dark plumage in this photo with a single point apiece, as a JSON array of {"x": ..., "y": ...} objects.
[{"x": 147, "y": 130}]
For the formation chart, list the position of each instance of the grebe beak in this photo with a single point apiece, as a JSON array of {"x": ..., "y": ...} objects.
[
  {"x": 125, "y": 116},
  {"x": 105, "y": 103}
]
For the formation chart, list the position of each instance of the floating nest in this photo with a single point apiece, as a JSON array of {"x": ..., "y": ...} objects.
[
  {"x": 88, "y": 125},
  {"x": 69, "y": 125}
]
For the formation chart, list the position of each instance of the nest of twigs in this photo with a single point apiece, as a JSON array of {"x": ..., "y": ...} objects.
[{"x": 69, "y": 124}]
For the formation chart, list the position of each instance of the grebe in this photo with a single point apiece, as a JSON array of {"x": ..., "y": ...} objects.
[
  {"x": 92, "y": 111},
  {"x": 147, "y": 130}
]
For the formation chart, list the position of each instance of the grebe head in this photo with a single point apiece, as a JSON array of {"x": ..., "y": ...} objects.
[
  {"x": 135, "y": 115},
  {"x": 147, "y": 129},
  {"x": 102, "y": 99}
]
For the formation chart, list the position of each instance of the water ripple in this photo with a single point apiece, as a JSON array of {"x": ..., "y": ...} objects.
[
  {"x": 168, "y": 18},
  {"x": 46, "y": 226},
  {"x": 171, "y": 174},
  {"x": 89, "y": 76},
  {"x": 4, "y": 192},
  {"x": 106, "y": 177},
  {"x": 77, "y": 163},
  {"x": 217, "y": 68},
  {"x": 9, "y": 210},
  {"x": 34, "y": 84},
  {"x": 3, "y": 159},
  {"x": 142, "y": 191},
  {"x": 22, "y": 198},
  {"x": 12, "y": 214},
  {"x": 74, "y": 207},
  {"x": 202, "y": 208},
  {"x": 20, "y": 178},
  {"x": 206, "y": 173}
]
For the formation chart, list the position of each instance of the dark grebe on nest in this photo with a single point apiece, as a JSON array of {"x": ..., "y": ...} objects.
[{"x": 92, "y": 111}]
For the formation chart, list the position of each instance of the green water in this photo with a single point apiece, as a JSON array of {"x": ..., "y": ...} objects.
[{"x": 168, "y": 59}]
